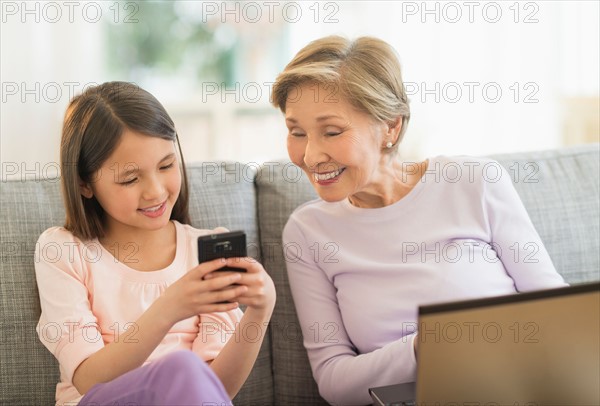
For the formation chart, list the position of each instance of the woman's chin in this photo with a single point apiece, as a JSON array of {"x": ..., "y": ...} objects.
[{"x": 330, "y": 192}]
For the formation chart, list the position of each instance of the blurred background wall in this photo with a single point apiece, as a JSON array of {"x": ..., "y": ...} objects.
[{"x": 483, "y": 77}]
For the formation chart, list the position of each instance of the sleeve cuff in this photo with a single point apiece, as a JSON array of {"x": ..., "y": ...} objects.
[{"x": 76, "y": 348}]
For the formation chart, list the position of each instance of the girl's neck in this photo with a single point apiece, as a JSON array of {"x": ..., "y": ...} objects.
[
  {"x": 142, "y": 250},
  {"x": 116, "y": 234}
]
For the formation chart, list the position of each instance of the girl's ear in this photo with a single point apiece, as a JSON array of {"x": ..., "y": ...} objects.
[{"x": 85, "y": 190}]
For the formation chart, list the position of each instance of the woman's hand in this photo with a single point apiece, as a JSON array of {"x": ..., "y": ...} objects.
[
  {"x": 194, "y": 294},
  {"x": 260, "y": 294}
]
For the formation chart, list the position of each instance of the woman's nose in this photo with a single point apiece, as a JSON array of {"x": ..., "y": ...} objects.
[{"x": 314, "y": 154}]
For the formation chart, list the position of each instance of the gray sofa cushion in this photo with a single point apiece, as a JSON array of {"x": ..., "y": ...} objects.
[
  {"x": 281, "y": 188},
  {"x": 561, "y": 192},
  {"x": 223, "y": 195},
  {"x": 561, "y": 195},
  {"x": 563, "y": 205},
  {"x": 28, "y": 372}
]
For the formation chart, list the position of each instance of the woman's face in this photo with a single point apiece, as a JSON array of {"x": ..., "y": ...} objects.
[{"x": 339, "y": 147}]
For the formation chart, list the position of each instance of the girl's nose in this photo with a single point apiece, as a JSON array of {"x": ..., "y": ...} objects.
[{"x": 153, "y": 189}]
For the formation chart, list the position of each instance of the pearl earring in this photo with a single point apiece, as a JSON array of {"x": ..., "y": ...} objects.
[{"x": 389, "y": 145}]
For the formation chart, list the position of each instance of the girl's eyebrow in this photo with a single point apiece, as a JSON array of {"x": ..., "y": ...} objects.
[
  {"x": 167, "y": 157},
  {"x": 134, "y": 168}
]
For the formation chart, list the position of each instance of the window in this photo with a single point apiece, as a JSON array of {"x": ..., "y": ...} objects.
[{"x": 482, "y": 77}]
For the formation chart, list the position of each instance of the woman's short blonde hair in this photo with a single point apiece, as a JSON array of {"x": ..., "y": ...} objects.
[{"x": 366, "y": 72}]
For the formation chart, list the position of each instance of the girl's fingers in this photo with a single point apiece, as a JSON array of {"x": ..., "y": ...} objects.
[
  {"x": 207, "y": 267},
  {"x": 249, "y": 288},
  {"x": 251, "y": 267},
  {"x": 216, "y": 274},
  {"x": 219, "y": 307},
  {"x": 220, "y": 282},
  {"x": 248, "y": 263},
  {"x": 228, "y": 294}
]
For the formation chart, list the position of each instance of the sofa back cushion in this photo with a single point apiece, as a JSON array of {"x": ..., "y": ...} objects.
[
  {"x": 559, "y": 188},
  {"x": 28, "y": 372},
  {"x": 561, "y": 192},
  {"x": 220, "y": 195},
  {"x": 282, "y": 187},
  {"x": 223, "y": 195}
]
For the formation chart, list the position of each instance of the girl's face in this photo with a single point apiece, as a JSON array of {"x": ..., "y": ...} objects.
[
  {"x": 339, "y": 147},
  {"x": 138, "y": 185}
]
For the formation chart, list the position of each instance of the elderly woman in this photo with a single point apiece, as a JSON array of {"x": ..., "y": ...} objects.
[{"x": 386, "y": 236}]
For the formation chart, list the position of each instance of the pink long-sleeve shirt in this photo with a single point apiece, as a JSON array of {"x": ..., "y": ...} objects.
[
  {"x": 88, "y": 299},
  {"x": 358, "y": 275}
]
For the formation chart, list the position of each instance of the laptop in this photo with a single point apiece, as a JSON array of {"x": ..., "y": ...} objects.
[{"x": 535, "y": 348}]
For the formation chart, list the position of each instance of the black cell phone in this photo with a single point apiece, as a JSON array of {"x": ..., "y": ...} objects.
[{"x": 222, "y": 245}]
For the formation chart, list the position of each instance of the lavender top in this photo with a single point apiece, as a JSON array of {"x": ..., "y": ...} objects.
[{"x": 358, "y": 275}]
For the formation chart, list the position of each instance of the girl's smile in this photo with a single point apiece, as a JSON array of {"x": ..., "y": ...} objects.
[{"x": 154, "y": 211}]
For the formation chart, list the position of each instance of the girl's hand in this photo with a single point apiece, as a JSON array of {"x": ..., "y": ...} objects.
[
  {"x": 192, "y": 294},
  {"x": 260, "y": 294}
]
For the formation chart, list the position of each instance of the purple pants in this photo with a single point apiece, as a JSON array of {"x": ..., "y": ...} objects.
[{"x": 180, "y": 378}]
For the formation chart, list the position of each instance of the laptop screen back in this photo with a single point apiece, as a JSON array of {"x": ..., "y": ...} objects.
[{"x": 528, "y": 349}]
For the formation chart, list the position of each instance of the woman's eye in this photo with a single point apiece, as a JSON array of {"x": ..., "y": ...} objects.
[
  {"x": 296, "y": 134},
  {"x": 332, "y": 133},
  {"x": 167, "y": 166}
]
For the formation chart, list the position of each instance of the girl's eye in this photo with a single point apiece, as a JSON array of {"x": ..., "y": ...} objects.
[
  {"x": 296, "y": 134},
  {"x": 128, "y": 182},
  {"x": 167, "y": 166},
  {"x": 332, "y": 133}
]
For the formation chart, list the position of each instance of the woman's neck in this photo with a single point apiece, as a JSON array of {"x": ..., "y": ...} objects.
[{"x": 393, "y": 182}]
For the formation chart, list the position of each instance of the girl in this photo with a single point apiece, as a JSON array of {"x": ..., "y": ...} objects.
[{"x": 134, "y": 317}]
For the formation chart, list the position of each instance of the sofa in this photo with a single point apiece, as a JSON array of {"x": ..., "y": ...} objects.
[{"x": 560, "y": 189}]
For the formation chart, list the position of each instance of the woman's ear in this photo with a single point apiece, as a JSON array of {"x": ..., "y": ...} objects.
[
  {"x": 394, "y": 129},
  {"x": 85, "y": 190}
]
